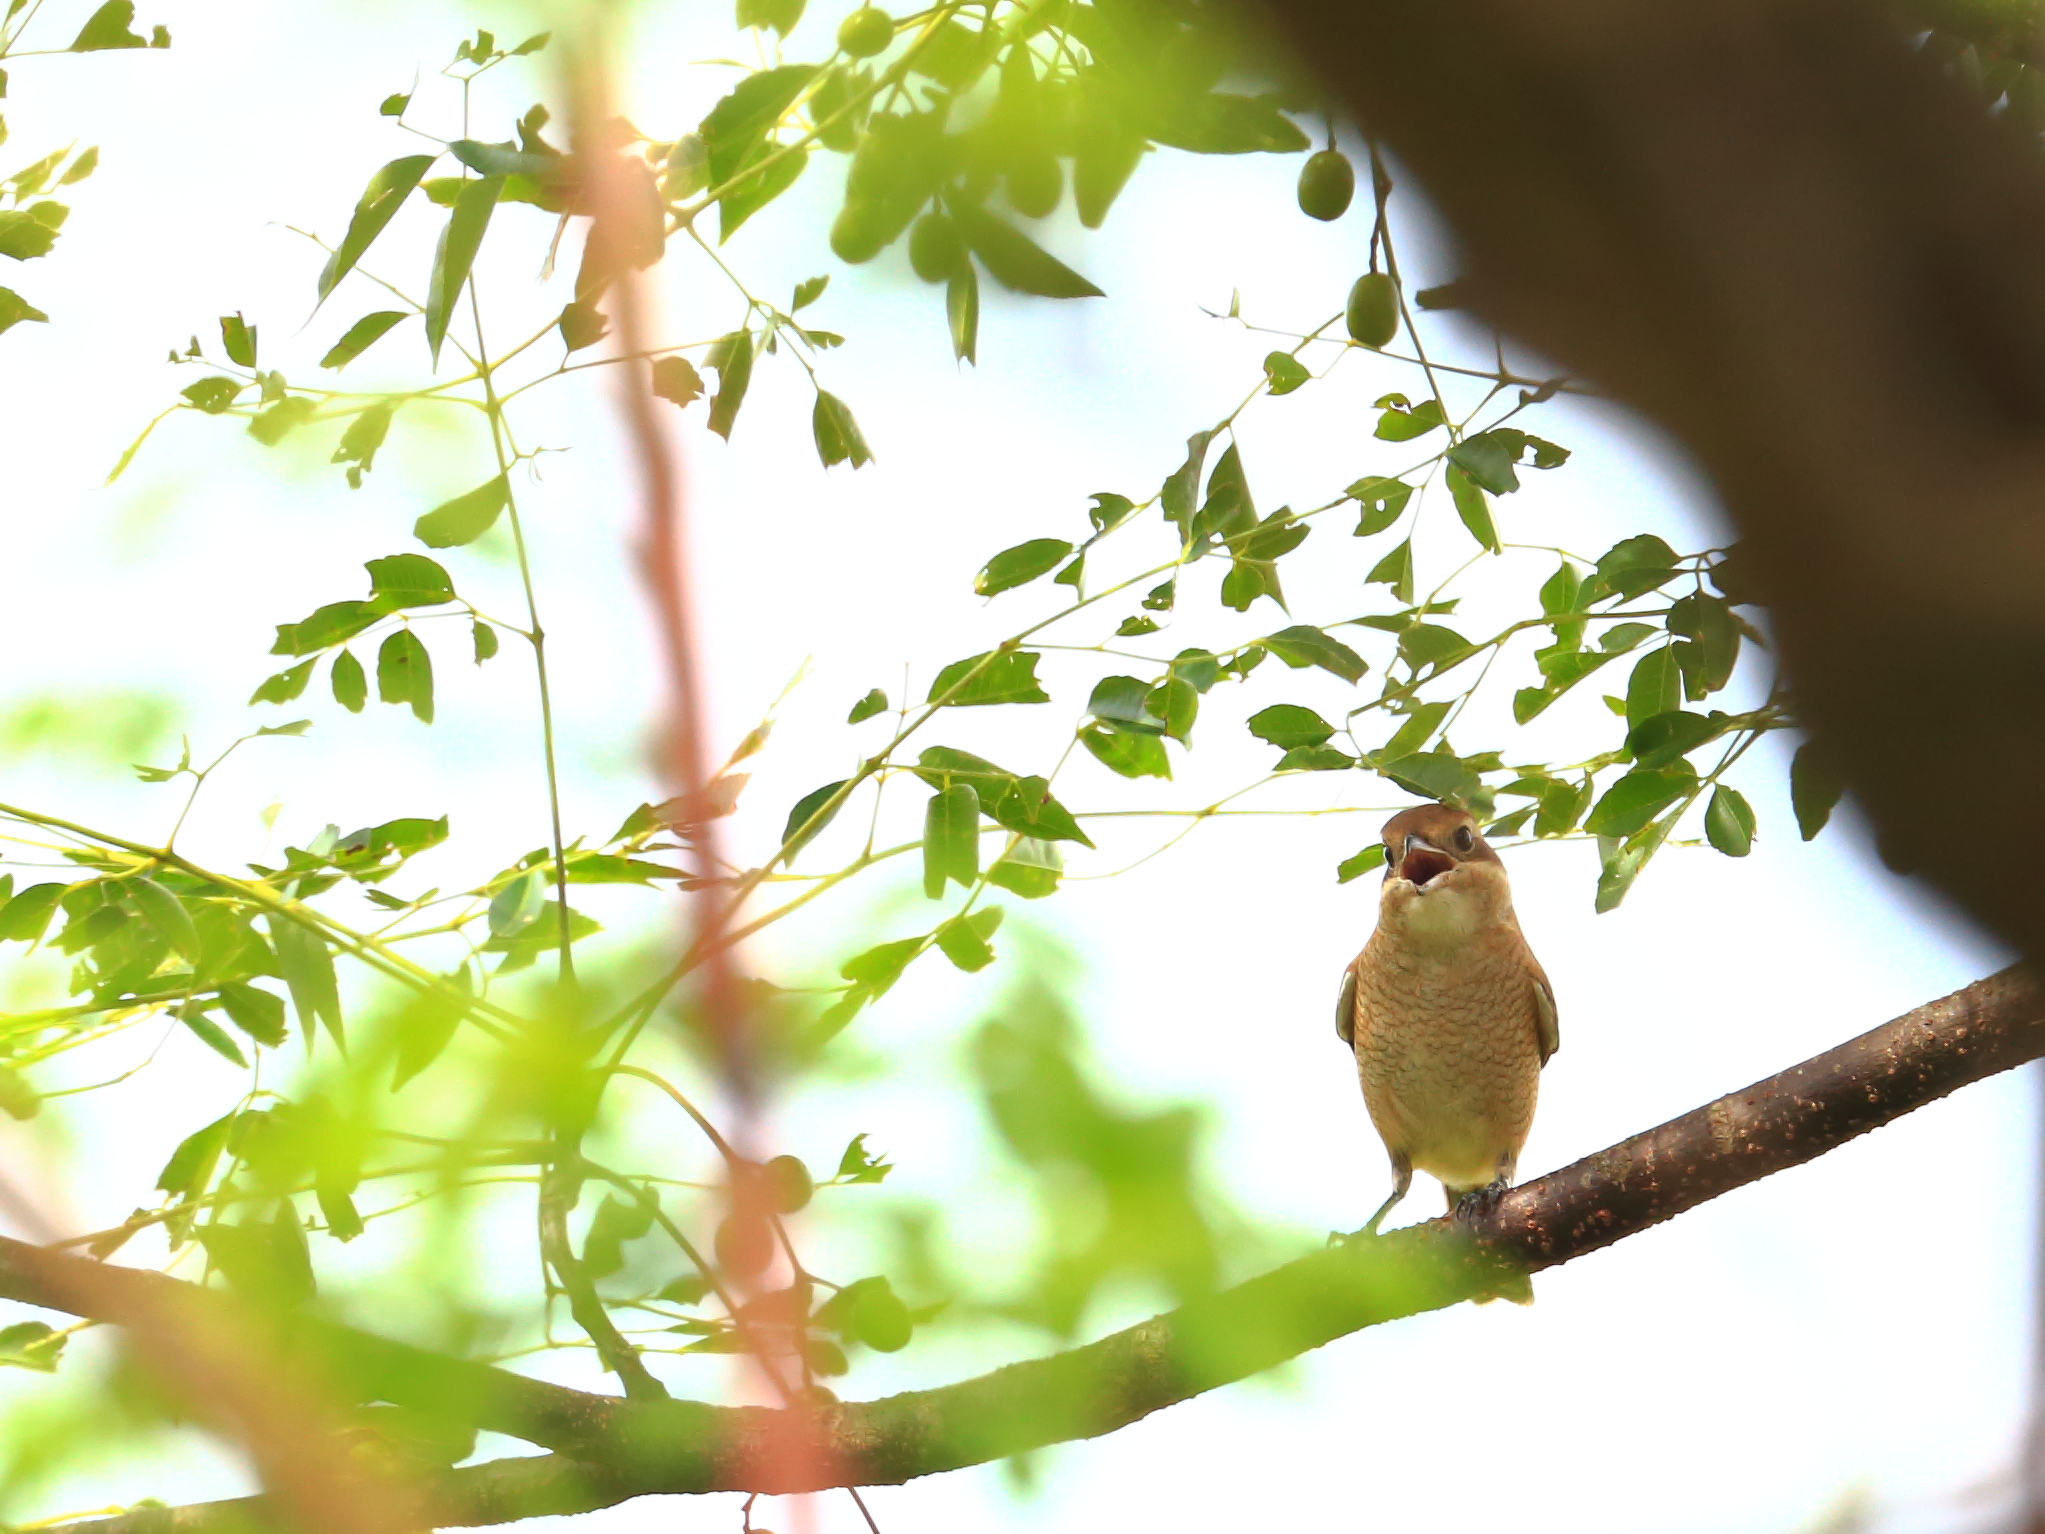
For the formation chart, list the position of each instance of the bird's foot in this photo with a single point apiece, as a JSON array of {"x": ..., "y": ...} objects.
[{"x": 1479, "y": 1202}]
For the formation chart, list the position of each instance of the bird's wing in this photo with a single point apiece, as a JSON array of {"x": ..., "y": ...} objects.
[
  {"x": 1545, "y": 1016},
  {"x": 1345, "y": 1008}
]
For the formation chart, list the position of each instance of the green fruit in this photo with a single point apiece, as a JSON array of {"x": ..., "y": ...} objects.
[
  {"x": 1035, "y": 183},
  {"x": 789, "y": 1182},
  {"x": 1373, "y": 312},
  {"x": 866, "y": 31},
  {"x": 935, "y": 249},
  {"x": 858, "y": 232},
  {"x": 1326, "y": 183},
  {"x": 744, "y": 1246}
]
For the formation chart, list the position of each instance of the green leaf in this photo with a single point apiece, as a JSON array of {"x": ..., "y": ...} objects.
[
  {"x": 267, "y": 1262},
  {"x": 1013, "y": 259},
  {"x": 212, "y": 395},
  {"x": 1382, "y": 500},
  {"x": 1559, "y": 592},
  {"x": 214, "y": 1037},
  {"x": 26, "y": 916},
  {"x": 1302, "y": 645},
  {"x": 962, "y": 312},
  {"x": 1656, "y": 686},
  {"x": 1431, "y": 645},
  {"x": 238, "y": 339},
  {"x": 1710, "y": 642},
  {"x": 425, "y": 1028},
  {"x": 1396, "y": 571},
  {"x": 404, "y": 673},
  {"x": 737, "y": 126},
  {"x": 190, "y": 1168},
  {"x": 1130, "y": 752},
  {"x": 1473, "y": 508},
  {"x": 14, "y": 309},
  {"x": 1362, "y": 863},
  {"x": 1436, "y": 774},
  {"x": 408, "y": 580},
  {"x": 875, "y": 702},
  {"x": 733, "y": 359},
  {"x": 964, "y": 939},
  {"x": 307, "y": 969},
  {"x": 1314, "y": 759},
  {"x": 1414, "y": 732},
  {"x": 1030, "y": 869},
  {"x": 837, "y": 435},
  {"x": 753, "y": 189},
  {"x": 582, "y": 324},
  {"x": 1401, "y": 422},
  {"x": 810, "y": 816},
  {"x": 1815, "y": 787},
  {"x": 881, "y": 966},
  {"x": 108, "y": 27},
  {"x": 1620, "y": 864},
  {"x": 1729, "y": 822},
  {"x": 1020, "y": 565},
  {"x": 1287, "y": 725},
  {"x": 1244, "y": 583},
  {"x": 1121, "y": 698},
  {"x": 1176, "y": 701},
  {"x": 1629, "y": 804},
  {"x": 32, "y": 1344},
  {"x": 285, "y": 685},
  {"x": 256, "y": 1012},
  {"x": 483, "y": 640},
  {"x": 858, "y": 1164},
  {"x": 1221, "y": 122},
  {"x": 167, "y": 914},
  {"x": 351, "y": 687},
  {"x": 1028, "y": 807},
  {"x": 24, "y": 237},
  {"x": 519, "y": 904},
  {"x": 455, "y": 255},
  {"x": 676, "y": 380},
  {"x": 1665, "y": 739},
  {"x": 1487, "y": 459},
  {"x": 1634, "y": 566},
  {"x": 951, "y": 839},
  {"x": 997, "y": 676},
  {"x": 1283, "y": 372},
  {"x": 465, "y": 518},
  {"x": 360, "y": 336},
  {"x": 287, "y": 415}
]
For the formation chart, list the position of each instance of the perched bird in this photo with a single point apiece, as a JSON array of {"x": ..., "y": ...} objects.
[{"x": 1448, "y": 1012}]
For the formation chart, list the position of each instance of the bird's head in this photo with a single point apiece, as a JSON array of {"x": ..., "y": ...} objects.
[{"x": 1442, "y": 879}]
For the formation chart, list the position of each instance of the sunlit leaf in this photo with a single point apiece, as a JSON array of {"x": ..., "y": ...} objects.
[{"x": 456, "y": 254}]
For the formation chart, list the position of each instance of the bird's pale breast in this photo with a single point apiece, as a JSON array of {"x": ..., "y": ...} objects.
[{"x": 1448, "y": 1050}]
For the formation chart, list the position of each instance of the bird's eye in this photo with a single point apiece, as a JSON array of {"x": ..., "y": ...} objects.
[{"x": 1465, "y": 839}]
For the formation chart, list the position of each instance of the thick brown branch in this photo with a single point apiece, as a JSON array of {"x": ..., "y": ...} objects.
[{"x": 632, "y": 1449}]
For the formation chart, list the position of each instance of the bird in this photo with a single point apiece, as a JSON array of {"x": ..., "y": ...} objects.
[{"x": 1449, "y": 1015}]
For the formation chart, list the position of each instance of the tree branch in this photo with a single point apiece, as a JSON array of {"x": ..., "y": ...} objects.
[{"x": 618, "y": 1450}]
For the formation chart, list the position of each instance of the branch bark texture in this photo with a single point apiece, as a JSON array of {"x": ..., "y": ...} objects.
[{"x": 608, "y": 1450}]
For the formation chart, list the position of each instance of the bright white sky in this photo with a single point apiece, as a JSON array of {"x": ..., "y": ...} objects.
[{"x": 1857, "y": 1323}]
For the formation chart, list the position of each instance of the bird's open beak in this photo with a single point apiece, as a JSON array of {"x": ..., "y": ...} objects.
[{"x": 1420, "y": 862}]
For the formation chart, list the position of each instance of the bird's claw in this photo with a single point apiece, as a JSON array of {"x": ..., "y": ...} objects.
[{"x": 1479, "y": 1202}]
